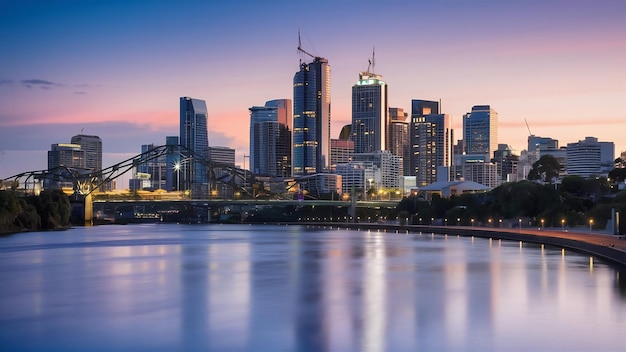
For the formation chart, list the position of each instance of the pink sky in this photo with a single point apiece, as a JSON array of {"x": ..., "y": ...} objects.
[{"x": 560, "y": 65}]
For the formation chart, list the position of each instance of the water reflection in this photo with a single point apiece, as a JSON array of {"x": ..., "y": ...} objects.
[{"x": 246, "y": 288}]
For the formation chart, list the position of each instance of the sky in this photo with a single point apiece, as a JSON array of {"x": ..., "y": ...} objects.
[{"x": 117, "y": 68}]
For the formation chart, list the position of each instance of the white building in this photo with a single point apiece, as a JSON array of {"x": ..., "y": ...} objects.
[{"x": 589, "y": 157}]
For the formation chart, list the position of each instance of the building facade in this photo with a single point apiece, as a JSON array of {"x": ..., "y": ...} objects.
[
  {"x": 419, "y": 109},
  {"x": 431, "y": 143},
  {"x": 341, "y": 152},
  {"x": 389, "y": 166},
  {"x": 370, "y": 113},
  {"x": 194, "y": 137},
  {"x": 270, "y": 138},
  {"x": 92, "y": 146},
  {"x": 589, "y": 157},
  {"x": 480, "y": 131},
  {"x": 481, "y": 172},
  {"x": 311, "y": 118},
  {"x": 398, "y": 141}
]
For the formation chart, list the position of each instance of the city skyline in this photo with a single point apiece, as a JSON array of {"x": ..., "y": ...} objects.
[{"x": 115, "y": 69}]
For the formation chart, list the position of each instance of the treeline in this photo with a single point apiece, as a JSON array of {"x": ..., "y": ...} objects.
[
  {"x": 50, "y": 210},
  {"x": 574, "y": 202}
]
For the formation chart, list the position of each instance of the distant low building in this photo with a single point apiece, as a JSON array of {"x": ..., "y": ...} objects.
[{"x": 456, "y": 188}]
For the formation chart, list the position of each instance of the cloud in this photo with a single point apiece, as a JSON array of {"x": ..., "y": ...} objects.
[
  {"x": 6, "y": 81},
  {"x": 41, "y": 83},
  {"x": 80, "y": 93}
]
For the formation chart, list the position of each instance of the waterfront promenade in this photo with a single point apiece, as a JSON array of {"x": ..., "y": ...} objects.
[{"x": 611, "y": 248}]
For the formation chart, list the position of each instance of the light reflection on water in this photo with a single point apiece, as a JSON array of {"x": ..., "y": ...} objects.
[{"x": 278, "y": 288}]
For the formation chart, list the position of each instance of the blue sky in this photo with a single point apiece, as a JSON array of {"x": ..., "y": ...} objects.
[{"x": 117, "y": 68}]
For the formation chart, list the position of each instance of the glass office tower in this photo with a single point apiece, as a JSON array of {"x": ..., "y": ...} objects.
[
  {"x": 311, "y": 118},
  {"x": 480, "y": 131},
  {"x": 370, "y": 114},
  {"x": 194, "y": 136},
  {"x": 270, "y": 138}
]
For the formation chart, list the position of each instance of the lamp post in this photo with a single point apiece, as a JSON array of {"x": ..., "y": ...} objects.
[
  {"x": 177, "y": 168},
  {"x": 563, "y": 225},
  {"x": 520, "y": 224},
  {"x": 590, "y": 224},
  {"x": 542, "y": 220}
]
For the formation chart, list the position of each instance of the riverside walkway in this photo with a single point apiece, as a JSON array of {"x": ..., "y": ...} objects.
[{"x": 611, "y": 248}]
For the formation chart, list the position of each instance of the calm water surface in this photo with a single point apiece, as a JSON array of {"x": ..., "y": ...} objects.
[{"x": 289, "y": 288}]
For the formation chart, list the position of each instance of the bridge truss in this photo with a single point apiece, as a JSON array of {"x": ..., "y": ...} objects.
[{"x": 82, "y": 181}]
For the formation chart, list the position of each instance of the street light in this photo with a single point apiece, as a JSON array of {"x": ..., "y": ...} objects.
[
  {"x": 590, "y": 224},
  {"x": 458, "y": 221},
  {"x": 562, "y": 224},
  {"x": 520, "y": 224},
  {"x": 177, "y": 168},
  {"x": 542, "y": 220}
]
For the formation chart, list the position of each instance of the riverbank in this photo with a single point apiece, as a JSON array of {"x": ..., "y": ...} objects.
[{"x": 607, "y": 247}]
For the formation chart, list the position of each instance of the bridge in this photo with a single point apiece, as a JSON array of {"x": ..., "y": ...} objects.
[
  {"x": 193, "y": 181},
  {"x": 237, "y": 210}
]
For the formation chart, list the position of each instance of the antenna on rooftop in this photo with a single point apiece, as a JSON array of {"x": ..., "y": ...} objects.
[{"x": 373, "y": 59}]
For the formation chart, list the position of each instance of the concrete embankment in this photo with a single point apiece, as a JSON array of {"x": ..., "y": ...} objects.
[{"x": 607, "y": 247}]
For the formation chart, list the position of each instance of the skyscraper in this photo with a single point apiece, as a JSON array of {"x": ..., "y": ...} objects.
[
  {"x": 194, "y": 136},
  {"x": 432, "y": 147},
  {"x": 270, "y": 138},
  {"x": 480, "y": 131},
  {"x": 370, "y": 114},
  {"x": 311, "y": 118},
  {"x": 419, "y": 109}
]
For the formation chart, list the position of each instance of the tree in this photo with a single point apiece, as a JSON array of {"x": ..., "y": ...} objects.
[
  {"x": 546, "y": 169},
  {"x": 618, "y": 174}
]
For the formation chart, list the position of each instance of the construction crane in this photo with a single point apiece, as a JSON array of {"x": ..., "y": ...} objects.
[
  {"x": 316, "y": 58},
  {"x": 529, "y": 133}
]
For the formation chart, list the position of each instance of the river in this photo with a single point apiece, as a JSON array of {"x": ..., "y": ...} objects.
[{"x": 174, "y": 287}]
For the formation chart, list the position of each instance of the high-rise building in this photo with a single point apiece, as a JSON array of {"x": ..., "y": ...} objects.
[
  {"x": 63, "y": 155},
  {"x": 370, "y": 113},
  {"x": 398, "y": 141},
  {"x": 590, "y": 158},
  {"x": 270, "y": 138},
  {"x": 311, "y": 118},
  {"x": 194, "y": 136},
  {"x": 419, "y": 109},
  {"x": 480, "y": 131},
  {"x": 92, "y": 146},
  {"x": 152, "y": 171},
  {"x": 432, "y": 141}
]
